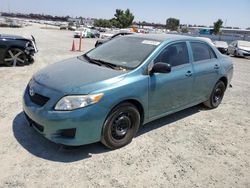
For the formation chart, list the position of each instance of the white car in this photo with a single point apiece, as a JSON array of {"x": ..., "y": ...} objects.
[
  {"x": 239, "y": 48},
  {"x": 82, "y": 31},
  {"x": 222, "y": 46},
  {"x": 86, "y": 33}
]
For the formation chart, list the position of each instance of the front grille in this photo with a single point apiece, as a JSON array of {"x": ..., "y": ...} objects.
[{"x": 38, "y": 99}]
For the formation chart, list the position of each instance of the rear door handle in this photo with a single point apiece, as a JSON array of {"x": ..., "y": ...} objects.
[
  {"x": 216, "y": 66},
  {"x": 188, "y": 73}
]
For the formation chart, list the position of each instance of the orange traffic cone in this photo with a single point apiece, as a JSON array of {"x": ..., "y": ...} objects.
[{"x": 73, "y": 46}]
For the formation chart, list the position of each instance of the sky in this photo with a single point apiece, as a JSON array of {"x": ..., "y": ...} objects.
[{"x": 201, "y": 12}]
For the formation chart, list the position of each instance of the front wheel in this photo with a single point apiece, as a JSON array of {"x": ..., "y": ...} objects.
[
  {"x": 120, "y": 126},
  {"x": 15, "y": 56},
  {"x": 216, "y": 95},
  {"x": 235, "y": 53}
]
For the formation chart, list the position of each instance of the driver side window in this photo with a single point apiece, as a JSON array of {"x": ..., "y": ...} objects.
[{"x": 174, "y": 54}]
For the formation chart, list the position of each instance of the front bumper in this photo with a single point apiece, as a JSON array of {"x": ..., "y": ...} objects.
[
  {"x": 223, "y": 50},
  {"x": 84, "y": 125},
  {"x": 31, "y": 48},
  {"x": 243, "y": 53}
]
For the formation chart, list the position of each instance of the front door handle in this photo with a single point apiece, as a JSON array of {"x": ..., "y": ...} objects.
[
  {"x": 188, "y": 73},
  {"x": 216, "y": 66}
]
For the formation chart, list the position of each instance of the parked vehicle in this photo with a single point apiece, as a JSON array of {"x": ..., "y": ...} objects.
[
  {"x": 101, "y": 41},
  {"x": 16, "y": 50},
  {"x": 222, "y": 46},
  {"x": 107, "y": 93},
  {"x": 71, "y": 28},
  {"x": 95, "y": 33},
  {"x": 239, "y": 48},
  {"x": 87, "y": 33},
  {"x": 63, "y": 27}
]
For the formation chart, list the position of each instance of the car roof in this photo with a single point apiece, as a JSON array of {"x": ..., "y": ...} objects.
[
  {"x": 163, "y": 37},
  {"x": 242, "y": 41}
]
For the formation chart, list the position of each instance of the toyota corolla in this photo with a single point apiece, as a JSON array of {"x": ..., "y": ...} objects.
[{"x": 107, "y": 93}]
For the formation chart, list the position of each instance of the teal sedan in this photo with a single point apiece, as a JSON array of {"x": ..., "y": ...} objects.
[{"x": 107, "y": 93}]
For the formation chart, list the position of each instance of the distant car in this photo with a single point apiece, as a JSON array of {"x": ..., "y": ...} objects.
[
  {"x": 101, "y": 41},
  {"x": 86, "y": 33},
  {"x": 107, "y": 93},
  {"x": 239, "y": 48},
  {"x": 222, "y": 46},
  {"x": 72, "y": 28},
  {"x": 63, "y": 27},
  {"x": 95, "y": 33},
  {"x": 16, "y": 50}
]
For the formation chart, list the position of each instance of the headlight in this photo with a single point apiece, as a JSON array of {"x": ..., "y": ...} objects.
[
  {"x": 77, "y": 101},
  {"x": 27, "y": 44}
]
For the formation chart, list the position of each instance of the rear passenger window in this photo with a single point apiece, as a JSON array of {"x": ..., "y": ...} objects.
[
  {"x": 174, "y": 54},
  {"x": 201, "y": 51},
  {"x": 212, "y": 54}
]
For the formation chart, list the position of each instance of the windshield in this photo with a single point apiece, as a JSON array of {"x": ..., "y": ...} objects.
[
  {"x": 127, "y": 52},
  {"x": 244, "y": 43}
]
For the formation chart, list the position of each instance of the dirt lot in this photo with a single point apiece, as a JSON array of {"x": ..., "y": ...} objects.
[{"x": 192, "y": 148}]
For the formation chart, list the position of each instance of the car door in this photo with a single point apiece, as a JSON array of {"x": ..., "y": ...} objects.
[
  {"x": 206, "y": 70},
  {"x": 170, "y": 91}
]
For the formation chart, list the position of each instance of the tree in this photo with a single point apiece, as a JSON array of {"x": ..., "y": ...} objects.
[
  {"x": 172, "y": 24},
  {"x": 184, "y": 30},
  {"x": 122, "y": 19},
  {"x": 102, "y": 23},
  {"x": 217, "y": 26}
]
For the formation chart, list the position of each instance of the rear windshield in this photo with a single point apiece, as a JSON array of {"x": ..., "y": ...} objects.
[{"x": 126, "y": 51}]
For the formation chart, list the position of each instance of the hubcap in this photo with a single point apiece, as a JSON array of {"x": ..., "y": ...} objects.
[
  {"x": 15, "y": 57},
  {"x": 120, "y": 126},
  {"x": 217, "y": 95}
]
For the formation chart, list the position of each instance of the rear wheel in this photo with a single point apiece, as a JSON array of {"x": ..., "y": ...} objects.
[
  {"x": 216, "y": 95},
  {"x": 120, "y": 126},
  {"x": 235, "y": 53},
  {"x": 15, "y": 56}
]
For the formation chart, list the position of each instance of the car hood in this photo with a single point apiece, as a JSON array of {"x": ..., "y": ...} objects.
[
  {"x": 244, "y": 48},
  {"x": 76, "y": 76},
  {"x": 11, "y": 36},
  {"x": 221, "y": 46}
]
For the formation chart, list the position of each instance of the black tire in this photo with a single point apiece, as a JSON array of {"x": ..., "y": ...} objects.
[
  {"x": 120, "y": 126},
  {"x": 235, "y": 53},
  {"x": 16, "y": 57},
  {"x": 216, "y": 95}
]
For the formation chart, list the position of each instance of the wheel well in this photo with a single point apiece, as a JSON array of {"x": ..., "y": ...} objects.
[
  {"x": 224, "y": 80},
  {"x": 16, "y": 46},
  {"x": 139, "y": 107}
]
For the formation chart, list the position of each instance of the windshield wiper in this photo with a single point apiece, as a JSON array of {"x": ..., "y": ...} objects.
[
  {"x": 103, "y": 63},
  {"x": 91, "y": 60}
]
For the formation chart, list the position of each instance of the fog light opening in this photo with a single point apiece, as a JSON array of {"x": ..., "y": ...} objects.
[{"x": 68, "y": 133}]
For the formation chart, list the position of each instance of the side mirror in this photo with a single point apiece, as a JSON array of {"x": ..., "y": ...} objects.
[{"x": 161, "y": 67}]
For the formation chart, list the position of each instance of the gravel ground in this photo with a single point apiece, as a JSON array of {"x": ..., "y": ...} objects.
[{"x": 192, "y": 148}]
